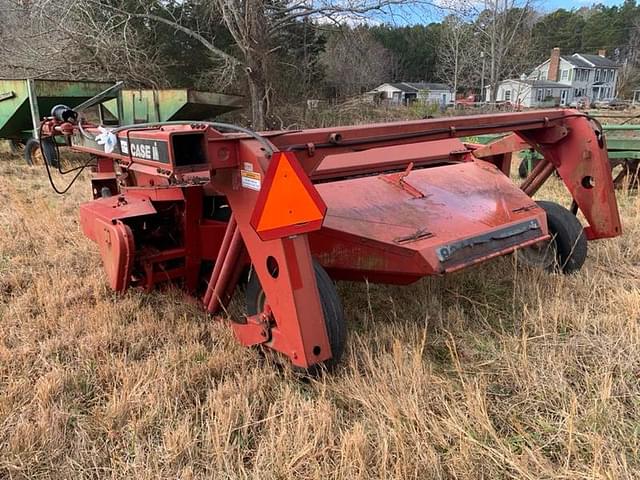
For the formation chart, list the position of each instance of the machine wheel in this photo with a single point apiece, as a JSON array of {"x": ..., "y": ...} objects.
[
  {"x": 331, "y": 308},
  {"x": 523, "y": 171},
  {"x": 567, "y": 249},
  {"x": 625, "y": 171},
  {"x": 16, "y": 147},
  {"x": 34, "y": 155}
]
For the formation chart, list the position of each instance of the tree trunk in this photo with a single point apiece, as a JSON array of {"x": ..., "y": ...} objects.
[{"x": 258, "y": 94}]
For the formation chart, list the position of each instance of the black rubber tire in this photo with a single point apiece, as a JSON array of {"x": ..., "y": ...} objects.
[
  {"x": 331, "y": 307},
  {"x": 16, "y": 147},
  {"x": 48, "y": 151},
  {"x": 523, "y": 171},
  {"x": 568, "y": 234}
]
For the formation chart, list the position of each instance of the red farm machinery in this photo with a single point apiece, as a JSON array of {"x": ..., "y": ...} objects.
[{"x": 209, "y": 206}]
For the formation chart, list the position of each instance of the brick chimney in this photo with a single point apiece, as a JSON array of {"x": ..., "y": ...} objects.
[
  {"x": 554, "y": 65},
  {"x": 602, "y": 53}
]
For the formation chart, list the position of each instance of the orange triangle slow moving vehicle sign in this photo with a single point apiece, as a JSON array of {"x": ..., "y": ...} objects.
[{"x": 288, "y": 204}]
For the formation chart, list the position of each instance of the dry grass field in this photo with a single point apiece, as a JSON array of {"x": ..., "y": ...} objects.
[{"x": 495, "y": 372}]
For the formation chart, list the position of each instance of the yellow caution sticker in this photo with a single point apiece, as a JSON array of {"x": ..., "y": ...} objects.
[{"x": 251, "y": 180}]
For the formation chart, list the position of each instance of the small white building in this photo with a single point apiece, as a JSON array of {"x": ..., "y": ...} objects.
[
  {"x": 531, "y": 93},
  {"x": 404, "y": 93}
]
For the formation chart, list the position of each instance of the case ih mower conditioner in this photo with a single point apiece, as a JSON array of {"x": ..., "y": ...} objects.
[{"x": 291, "y": 211}]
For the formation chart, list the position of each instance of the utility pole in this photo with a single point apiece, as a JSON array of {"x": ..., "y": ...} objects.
[{"x": 482, "y": 94}]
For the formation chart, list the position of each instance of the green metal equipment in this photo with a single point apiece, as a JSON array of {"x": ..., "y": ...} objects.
[
  {"x": 623, "y": 146},
  {"x": 23, "y": 102},
  {"x": 146, "y": 106}
]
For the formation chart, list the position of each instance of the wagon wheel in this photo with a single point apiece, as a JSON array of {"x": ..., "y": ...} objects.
[
  {"x": 35, "y": 156},
  {"x": 331, "y": 309},
  {"x": 16, "y": 147},
  {"x": 625, "y": 170},
  {"x": 566, "y": 251}
]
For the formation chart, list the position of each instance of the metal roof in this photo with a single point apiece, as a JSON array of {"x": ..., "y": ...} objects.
[
  {"x": 597, "y": 60},
  {"x": 414, "y": 87},
  {"x": 540, "y": 83},
  {"x": 577, "y": 62}
]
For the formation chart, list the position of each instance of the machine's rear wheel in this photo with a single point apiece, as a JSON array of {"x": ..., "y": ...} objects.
[
  {"x": 331, "y": 308},
  {"x": 566, "y": 251},
  {"x": 35, "y": 156}
]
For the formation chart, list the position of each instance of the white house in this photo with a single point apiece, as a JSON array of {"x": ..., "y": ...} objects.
[
  {"x": 580, "y": 77},
  {"x": 531, "y": 93},
  {"x": 590, "y": 76},
  {"x": 404, "y": 93}
]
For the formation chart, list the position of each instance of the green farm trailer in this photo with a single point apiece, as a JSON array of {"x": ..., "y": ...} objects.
[
  {"x": 623, "y": 146},
  {"x": 147, "y": 106},
  {"x": 24, "y": 102}
]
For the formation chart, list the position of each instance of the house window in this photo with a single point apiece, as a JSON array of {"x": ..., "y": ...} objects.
[
  {"x": 564, "y": 75},
  {"x": 549, "y": 93},
  {"x": 507, "y": 95},
  {"x": 597, "y": 78},
  {"x": 540, "y": 95}
]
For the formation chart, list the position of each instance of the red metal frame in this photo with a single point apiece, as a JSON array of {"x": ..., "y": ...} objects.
[{"x": 403, "y": 200}]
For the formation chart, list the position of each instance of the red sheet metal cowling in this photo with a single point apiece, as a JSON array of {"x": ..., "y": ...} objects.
[{"x": 379, "y": 231}]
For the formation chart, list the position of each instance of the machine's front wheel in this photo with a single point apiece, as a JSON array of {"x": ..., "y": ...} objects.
[
  {"x": 566, "y": 251},
  {"x": 35, "y": 156},
  {"x": 331, "y": 309}
]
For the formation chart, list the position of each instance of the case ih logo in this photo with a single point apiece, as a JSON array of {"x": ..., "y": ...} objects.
[{"x": 145, "y": 149}]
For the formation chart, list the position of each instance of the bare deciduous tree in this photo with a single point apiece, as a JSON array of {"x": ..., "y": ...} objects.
[
  {"x": 629, "y": 73},
  {"x": 456, "y": 56},
  {"x": 254, "y": 25},
  {"x": 67, "y": 40},
  {"x": 503, "y": 30},
  {"x": 353, "y": 60}
]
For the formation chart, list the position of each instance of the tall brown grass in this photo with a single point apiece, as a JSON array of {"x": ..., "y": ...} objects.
[{"x": 495, "y": 372}]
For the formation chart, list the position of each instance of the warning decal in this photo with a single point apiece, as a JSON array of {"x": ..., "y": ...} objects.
[
  {"x": 250, "y": 180},
  {"x": 288, "y": 204}
]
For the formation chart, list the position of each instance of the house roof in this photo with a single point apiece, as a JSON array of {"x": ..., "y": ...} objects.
[
  {"x": 577, "y": 61},
  {"x": 585, "y": 60},
  {"x": 539, "y": 83},
  {"x": 546, "y": 84},
  {"x": 414, "y": 87},
  {"x": 596, "y": 60}
]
